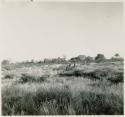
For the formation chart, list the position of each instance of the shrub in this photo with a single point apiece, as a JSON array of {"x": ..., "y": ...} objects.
[
  {"x": 117, "y": 77},
  {"x": 28, "y": 78},
  {"x": 108, "y": 74},
  {"x": 9, "y": 76},
  {"x": 42, "y": 78}
]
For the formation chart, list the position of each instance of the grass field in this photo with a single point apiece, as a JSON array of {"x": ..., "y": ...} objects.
[{"x": 93, "y": 89}]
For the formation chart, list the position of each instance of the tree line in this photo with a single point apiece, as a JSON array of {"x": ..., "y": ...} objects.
[{"x": 81, "y": 58}]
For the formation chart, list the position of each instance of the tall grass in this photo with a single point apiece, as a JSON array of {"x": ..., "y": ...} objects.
[
  {"x": 34, "y": 92},
  {"x": 59, "y": 101}
]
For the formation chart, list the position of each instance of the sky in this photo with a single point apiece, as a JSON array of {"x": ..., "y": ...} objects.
[{"x": 40, "y": 30}]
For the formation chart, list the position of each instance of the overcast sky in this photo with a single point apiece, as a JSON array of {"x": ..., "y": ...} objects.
[{"x": 45, "y": 30}]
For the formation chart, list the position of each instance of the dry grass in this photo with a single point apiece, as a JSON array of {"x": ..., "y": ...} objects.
[{"x": 55, "y": 95}]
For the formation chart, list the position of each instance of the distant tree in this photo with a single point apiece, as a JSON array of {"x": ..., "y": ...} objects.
[
  {"x": 100, "y": 58},
  {"x": 116, "y": 54},
  {"x": 89, "y": 59},
  {"x": 74, "y": 59},
  {"x": 81, "y": 57},
  {"x": 32, "y": 61},
  {"x": 5, "y": 62},
  {"x": 117, "y": 57},
  {"x": 58, "y": 60},
  {"x": 47, "y": 60}
]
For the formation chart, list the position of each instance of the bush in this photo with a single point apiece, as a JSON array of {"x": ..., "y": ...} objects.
[
  {"x": 42, "y": 78},
  {"x": 107, "y": 74},
  {"x": 28, "y": 78},
  {"x": 117, "y": 77},
  {"x": 9, "y": 76}
]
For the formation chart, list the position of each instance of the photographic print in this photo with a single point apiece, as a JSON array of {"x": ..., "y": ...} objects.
[{"x": 62, "y": 58}]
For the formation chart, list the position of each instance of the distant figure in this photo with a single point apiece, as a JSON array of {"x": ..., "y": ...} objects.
[
  {"x": 68, "y": 67},
  {"x": 74, "y": 65},
  {"x": 71, "y": 66}
]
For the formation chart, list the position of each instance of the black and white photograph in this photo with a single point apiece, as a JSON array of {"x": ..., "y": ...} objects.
[{"x": 61, "y": 57}]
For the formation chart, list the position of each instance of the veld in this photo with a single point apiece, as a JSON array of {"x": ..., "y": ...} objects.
[{"x": 51, "y": 89}]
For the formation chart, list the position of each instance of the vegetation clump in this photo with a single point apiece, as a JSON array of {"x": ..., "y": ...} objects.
[{"x": 28, "y": 78}]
